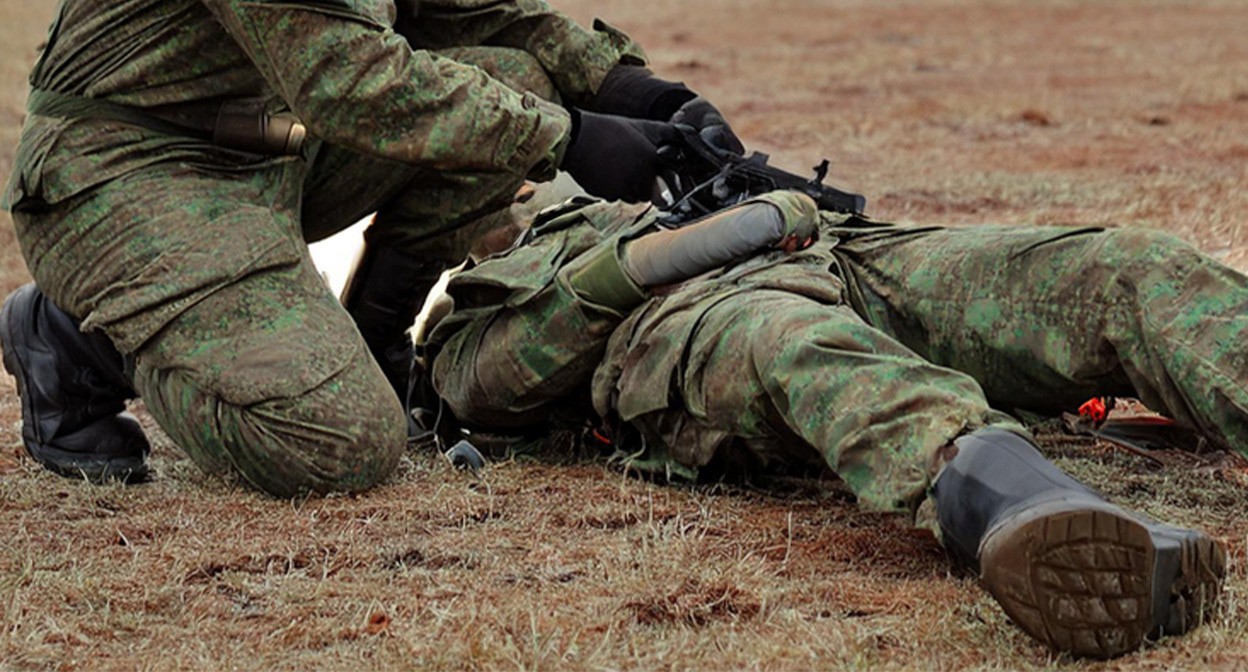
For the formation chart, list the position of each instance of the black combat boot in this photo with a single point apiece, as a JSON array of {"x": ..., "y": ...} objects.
[
  {"x": 1074, "y": 571},
  {"x": 73, "y": 391},
  {"x": 385, "y": 293}
]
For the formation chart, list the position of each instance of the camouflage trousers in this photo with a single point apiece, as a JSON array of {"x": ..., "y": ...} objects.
[
  {"x": 196, "y": 266},
  {"x": 868, "y": 353}
]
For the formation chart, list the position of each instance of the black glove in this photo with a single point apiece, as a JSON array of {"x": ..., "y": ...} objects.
[
  {"x": 634, "y": 91},
  {"x": 616, "y": 158},
  {"x": 702, "y": 115}
]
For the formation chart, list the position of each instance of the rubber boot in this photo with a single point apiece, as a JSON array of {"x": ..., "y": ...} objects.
[
  {"x": 1080, "y": 574},
  {"x": 385, "y": 293},
  {"x": 73, "y": 391}
]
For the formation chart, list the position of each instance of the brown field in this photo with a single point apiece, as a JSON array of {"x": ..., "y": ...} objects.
[{"x": 1123, "y": 112}]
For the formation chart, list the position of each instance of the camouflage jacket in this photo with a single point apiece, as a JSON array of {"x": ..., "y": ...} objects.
[
  {"x": 362, "y": 74},
  {"x": 564, "y": 355}
]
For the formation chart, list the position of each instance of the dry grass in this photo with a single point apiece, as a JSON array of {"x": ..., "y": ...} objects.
[
  {"x": 540, "y": 564},
  {"x": 962, "y": 111},
  {"x": 21, "y": 30}
]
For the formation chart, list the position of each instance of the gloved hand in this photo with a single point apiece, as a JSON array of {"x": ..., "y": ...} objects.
[
  {"x": 634, "y": 91},
  {"x": 616, "y": 158},
  {"x": 702, "y": 115}
]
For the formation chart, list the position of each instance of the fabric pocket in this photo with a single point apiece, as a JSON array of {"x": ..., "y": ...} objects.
[{"x": 24, "y": 184}]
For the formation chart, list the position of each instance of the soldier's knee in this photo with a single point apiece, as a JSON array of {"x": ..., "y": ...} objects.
[
  {"x": 1142, "y": 262},
  {"x": 1122, "y": 247},
  {"x": 345, "y": 435},
  {"x": 341, "y": 431}
]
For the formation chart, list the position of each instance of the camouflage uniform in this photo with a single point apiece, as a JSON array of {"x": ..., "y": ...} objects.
[
  {"x": 875, "y": 348},
  {"x": 192, "y": 257}
]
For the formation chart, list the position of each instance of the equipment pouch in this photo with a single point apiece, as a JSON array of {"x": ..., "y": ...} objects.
[
  {"x": 247, "y": 126},
  {"x": 559, "y": 216}
]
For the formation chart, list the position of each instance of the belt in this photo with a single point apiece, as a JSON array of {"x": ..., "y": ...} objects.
[
  {"x": 241, "y": 124},
  {"x": 65, "y": 106}
]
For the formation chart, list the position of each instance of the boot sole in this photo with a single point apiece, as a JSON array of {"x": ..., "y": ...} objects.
[
  {"x": 1092, "y": 581},
  {"x": 60, "y": 462}
]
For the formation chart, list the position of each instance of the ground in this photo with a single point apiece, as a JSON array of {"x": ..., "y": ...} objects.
[{"x": 1105, "y": 112}]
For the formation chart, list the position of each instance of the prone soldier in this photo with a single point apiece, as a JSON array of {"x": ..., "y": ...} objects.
[{"x": 883, "y": 353}]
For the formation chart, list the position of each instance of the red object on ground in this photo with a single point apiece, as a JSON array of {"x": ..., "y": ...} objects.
[{"x": 1095, "y": 409}]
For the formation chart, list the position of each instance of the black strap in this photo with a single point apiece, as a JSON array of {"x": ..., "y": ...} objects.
[{"x": 66, "y": 106}]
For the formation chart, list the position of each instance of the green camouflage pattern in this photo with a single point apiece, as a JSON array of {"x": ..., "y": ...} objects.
[
  {"x": 551, "y": 339},
  {"x": 192, "y": 258},
  {"x": 373, "y": 76},
  {"x": 240, "y": 350},
  {"x": 268, "y": 378},
  {"x": 1045, "y": 318},
  {"x": 865, "y": 354}
]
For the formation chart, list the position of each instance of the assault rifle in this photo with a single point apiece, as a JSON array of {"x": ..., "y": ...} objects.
[{"x": 715, "y": 179}]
